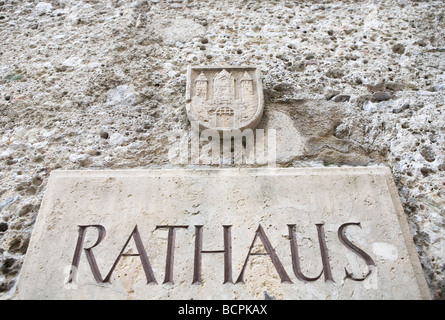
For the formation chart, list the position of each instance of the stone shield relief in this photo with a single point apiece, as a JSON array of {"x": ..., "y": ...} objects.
[{"x": 224, "y": 98}]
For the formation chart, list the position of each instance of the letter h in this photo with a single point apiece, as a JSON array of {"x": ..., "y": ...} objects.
[{"x": 197, "y": 270}]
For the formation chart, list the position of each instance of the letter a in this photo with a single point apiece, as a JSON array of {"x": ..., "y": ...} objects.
[
  {"x": 270, "y": 251},
  {"x": 141, "y": 253}
]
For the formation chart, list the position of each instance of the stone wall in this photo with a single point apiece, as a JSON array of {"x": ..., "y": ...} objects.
[{"x": 101, "y": 85}]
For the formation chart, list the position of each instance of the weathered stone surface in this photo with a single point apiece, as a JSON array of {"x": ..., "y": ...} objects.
[
  {"x": 127, "y": 219},
  {"x": 74, "y": 73}
]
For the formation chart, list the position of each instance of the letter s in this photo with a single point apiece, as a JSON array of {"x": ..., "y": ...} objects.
[{"x": 362, "y": 254}]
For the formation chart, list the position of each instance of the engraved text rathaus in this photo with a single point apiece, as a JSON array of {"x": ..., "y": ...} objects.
[{"x": 226, "y": 251}]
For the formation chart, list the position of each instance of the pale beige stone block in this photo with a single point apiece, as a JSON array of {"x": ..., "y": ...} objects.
[{"x": 150, "y": 233}]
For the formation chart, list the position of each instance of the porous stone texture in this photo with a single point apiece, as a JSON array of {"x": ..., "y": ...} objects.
[{"x": 101, "y": 85}]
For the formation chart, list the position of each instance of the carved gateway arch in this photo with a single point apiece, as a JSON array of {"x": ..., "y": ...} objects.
[{"x": 224, "y": 98}]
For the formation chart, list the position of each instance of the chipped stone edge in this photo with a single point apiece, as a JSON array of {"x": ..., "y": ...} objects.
[
  {"x": 407, "y": 236},
  {"x": 174, "y": 172}
]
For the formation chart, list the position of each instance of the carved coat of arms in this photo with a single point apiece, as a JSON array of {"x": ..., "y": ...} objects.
[{"x": 224, "y": 98}]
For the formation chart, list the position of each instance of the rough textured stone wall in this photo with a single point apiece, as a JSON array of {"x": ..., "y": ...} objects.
[{"x": 101, "y": 84}]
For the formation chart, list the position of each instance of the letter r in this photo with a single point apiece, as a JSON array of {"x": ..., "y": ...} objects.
[{"x": 88, "y": 252}]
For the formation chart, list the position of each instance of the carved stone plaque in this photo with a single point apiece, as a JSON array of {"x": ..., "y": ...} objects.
[
  {"x": 224, "y": 98},
  {"x": 308, "y": 233}
]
